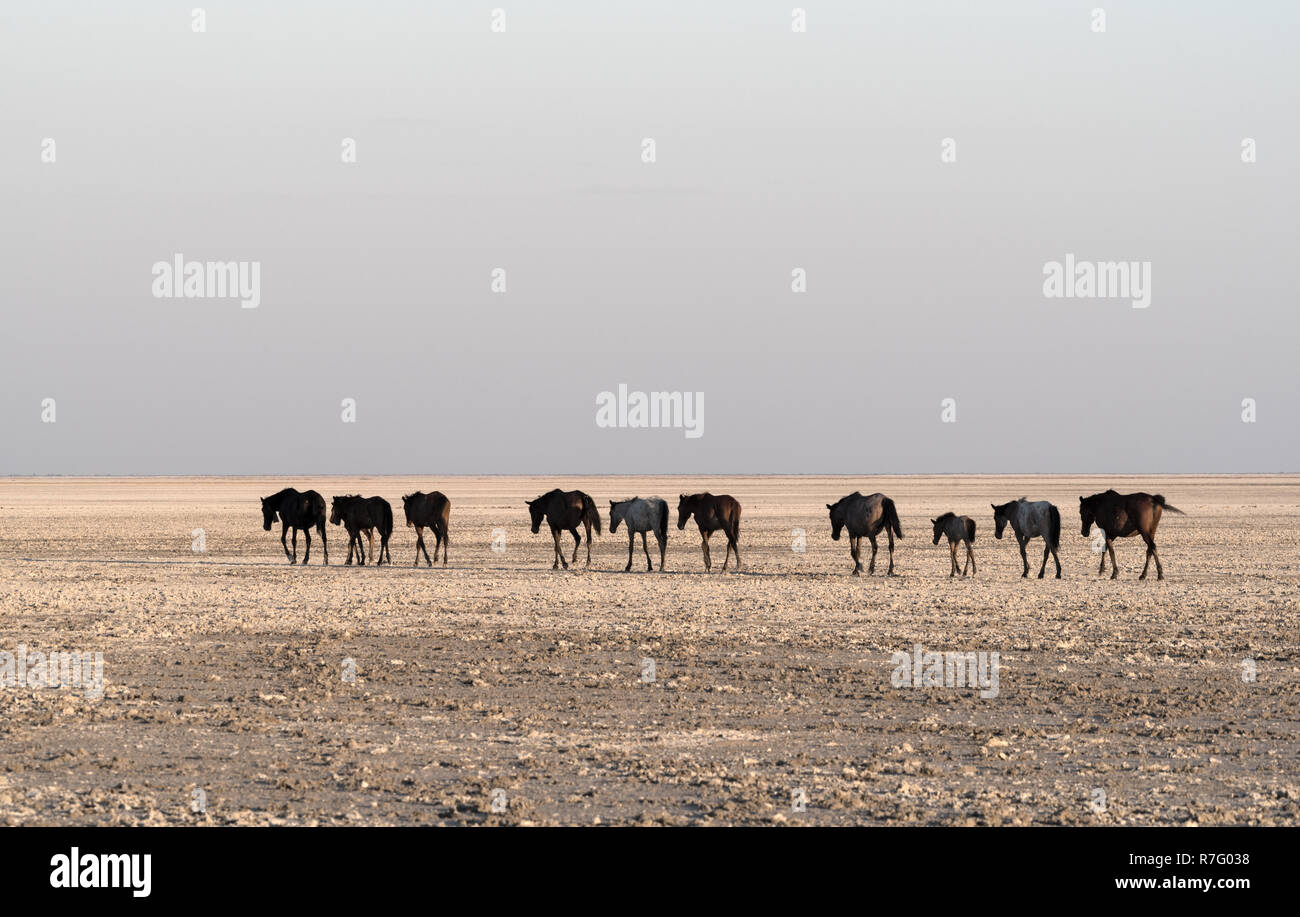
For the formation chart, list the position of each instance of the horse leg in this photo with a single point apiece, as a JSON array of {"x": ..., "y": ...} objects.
[
  {"x": 890, "y": 533},
  {"x": 1057, "y": 561},
  {"x": 649, "y": 564},
  {"x": 306, "y": 533},
  {"x": 1114, "y": 567},
  {"x": 370, "y": 534},
  {"x": 1047, "y": 549},
  {"x": 1151, "y": 552},
  {"x": 284, "y": 533},
  {"x": 663, "y": 547},
  {"x": 631, "y": 544},
  {"x": 708, "y": 562},
  {"x": 1102, "y": 568},
  {"x": 324, "y": 545},
  {"x": 445, "y": 539},
  {"x": 970, "y": 557},
  {"x": 952, "y": 559},
  {"x": 419, "y": 543},
  {"x": 855, "y": 549},
  {"x": 559, "y": 553},
  {"x": 735, "y": 543},
  {"x": 871, "y": 567},
  {"x": 1023, "y": 556}
]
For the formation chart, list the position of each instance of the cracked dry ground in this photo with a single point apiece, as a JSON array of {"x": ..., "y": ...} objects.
[{"x": 224, "y": 670}]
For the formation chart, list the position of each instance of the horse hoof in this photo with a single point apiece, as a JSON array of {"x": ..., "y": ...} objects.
[{"x": 1040, "y": 576}]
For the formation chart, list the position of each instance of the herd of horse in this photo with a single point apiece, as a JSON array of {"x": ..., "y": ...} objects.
[{"x": 1116, "y": 515}]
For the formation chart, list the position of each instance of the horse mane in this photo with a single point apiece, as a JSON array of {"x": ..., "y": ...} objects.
[{"x": 944, "y": 517}]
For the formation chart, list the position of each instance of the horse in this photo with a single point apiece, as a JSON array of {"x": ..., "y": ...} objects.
[
  {"x": 432, "y": 510},
  {"x": 711, "y": 514},
  {"x": 642, "y": 516},
  {"x": 1029, "y": 520},
  {"x": 364, "y": 514},
  {"x": 957, "y": 528},
  {"x": 1121, "y": 515},
  {"x": 296, "y": 511},
  {"x": 865, "y": 516},
  {"x": 564, "y": 512}
]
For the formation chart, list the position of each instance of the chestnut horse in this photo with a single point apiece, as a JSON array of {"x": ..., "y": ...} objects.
[
  {"x": 1121, "y": 515},
  {"x": 711, "y": 514}
]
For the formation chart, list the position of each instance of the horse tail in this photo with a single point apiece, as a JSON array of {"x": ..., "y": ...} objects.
[
  {"x": 318, "y": 512},
  {"x": 663, "y": 520},
  {"x": 1160, "y": 501},
  {"x": 590, "y": 513},
  {"x": 970, "y": 529},
  {"x": 1054, "y": 527},
  {"x": 386, "y": 520},
  {"x": 891, "y": 517}
]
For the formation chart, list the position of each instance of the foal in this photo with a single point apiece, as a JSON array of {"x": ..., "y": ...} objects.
[{"x": 957, "y": 528}]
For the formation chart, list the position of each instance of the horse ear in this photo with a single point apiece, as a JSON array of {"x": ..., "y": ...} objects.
[
  {"x": 1081, "y": 499},
  {"x": 994, "y": 505},
  {"x": 828, "y": 506}
]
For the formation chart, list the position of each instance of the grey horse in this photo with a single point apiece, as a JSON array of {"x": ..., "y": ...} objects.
[
  {"x": 958, "y": 529},
  {"x": 1030, "y": 520},
  {"x": 865, "y": 516},
  {"x": 649, "y": 515}
]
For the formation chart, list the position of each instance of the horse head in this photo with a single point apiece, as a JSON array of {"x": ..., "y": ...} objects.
[
  {"x": 937, "y": 530},
  {"x": 837, "y": 519},
  {"x": 616, "y": 512},
  {"x": 336, "y": 510},
  {"x": 1087, "y": 515},
  {"x": 537, "y": 511},
  {"x": 268, "y": 513},
  {"x": 1001, "y": 515},
  {"x": 685, "y": 506}
]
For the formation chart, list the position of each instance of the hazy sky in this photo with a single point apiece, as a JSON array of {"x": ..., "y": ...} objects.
[{"x": 775, "y": 150}]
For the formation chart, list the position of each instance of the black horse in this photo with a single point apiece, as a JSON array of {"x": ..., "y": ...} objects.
[
  {"x": 296, "y": 511},
  {"x": 364, "y": 514},
  {"x": 432, "y": 510},
  {"x": 564, "y": 512}
]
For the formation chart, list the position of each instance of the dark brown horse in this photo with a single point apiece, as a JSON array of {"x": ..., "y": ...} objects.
[
  {"x": 296, "y": 511},
  {"x": 564, "y": 512},
  {"x": 364, "y": 514},
  {"x": 711, "y": 514},
  {"x": 432, "y": 511},
  {"x": 865, "y": 516},
  {"x": 1121, "y": 515}
]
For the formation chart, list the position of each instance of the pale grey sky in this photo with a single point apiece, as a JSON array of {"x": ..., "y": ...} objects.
[{"x": 522, "y": 150}]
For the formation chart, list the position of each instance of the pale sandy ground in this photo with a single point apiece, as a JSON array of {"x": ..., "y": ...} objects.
[{"x": 224, "y": 669}]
